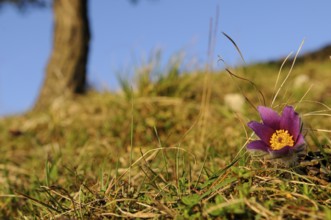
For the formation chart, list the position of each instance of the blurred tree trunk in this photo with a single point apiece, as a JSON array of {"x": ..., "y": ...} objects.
[{"x": 66, "y": 70}]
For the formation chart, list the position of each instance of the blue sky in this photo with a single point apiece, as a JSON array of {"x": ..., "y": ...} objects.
[{"x": 123, "y": 35}]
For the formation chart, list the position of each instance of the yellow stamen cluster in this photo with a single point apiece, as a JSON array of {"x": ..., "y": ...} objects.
[{"x": 280, "y": 139}]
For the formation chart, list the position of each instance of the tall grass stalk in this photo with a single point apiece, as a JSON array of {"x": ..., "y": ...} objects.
[
  {"x": 288, "y": 74},
  {"x": 131, "y": 138}
]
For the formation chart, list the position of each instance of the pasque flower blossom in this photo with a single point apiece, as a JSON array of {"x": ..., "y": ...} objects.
[{"x": 280, "y": 135}]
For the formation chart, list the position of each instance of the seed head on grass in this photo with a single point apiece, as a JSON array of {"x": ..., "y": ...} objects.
[{"x": 280, "y": 135}]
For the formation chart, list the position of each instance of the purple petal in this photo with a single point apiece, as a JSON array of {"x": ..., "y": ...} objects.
[
  {"x": 258, "y": 145},
  {"x": 269, "y": 117},
  {"x": 263, "y": 131},
  {"x": 290, "y": 121}
]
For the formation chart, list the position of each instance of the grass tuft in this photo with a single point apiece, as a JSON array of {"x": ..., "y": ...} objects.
[{"x": 168, "y": 147}]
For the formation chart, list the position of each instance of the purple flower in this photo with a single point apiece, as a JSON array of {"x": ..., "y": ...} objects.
[{"x": 280, "y": 134}]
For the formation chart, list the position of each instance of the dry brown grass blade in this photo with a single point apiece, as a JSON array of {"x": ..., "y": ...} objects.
[
  {"x": 206, "y": 93},
  {"x": 304, "y": 95},
  {"x": 259, "y": 209},
  {"x": 288, "y": 74},
  {"x": 151, "y": 156},
  {"x": 223, "y": 205},
  {"x": 235, "y": 45},
  {"x": 140, "y": 214},
  {"x": 252, "y": 83},
  {"x": 278, "y": 75},
  {"x": 38, "y": 202},
  {"x": 164, "y": 208}
]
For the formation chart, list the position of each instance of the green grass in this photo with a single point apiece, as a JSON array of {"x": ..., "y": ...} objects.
[{"x": 166, "y": 148}]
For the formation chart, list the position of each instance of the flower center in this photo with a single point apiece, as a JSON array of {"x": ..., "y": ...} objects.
[{"x": 280, "y": 139}]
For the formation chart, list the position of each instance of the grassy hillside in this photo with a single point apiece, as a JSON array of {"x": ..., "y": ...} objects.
[{"x": 169, "y": 148}]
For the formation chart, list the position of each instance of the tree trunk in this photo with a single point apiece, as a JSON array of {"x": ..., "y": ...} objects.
[{"x": 66, "y": 69}]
